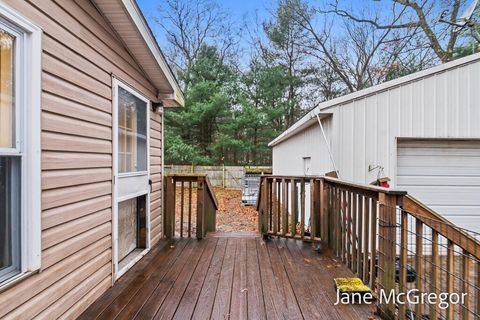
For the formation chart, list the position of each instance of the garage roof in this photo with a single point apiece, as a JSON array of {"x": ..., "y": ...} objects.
[
  {"x": 129, "y": 23},
  {"x": 310, "y": 117}
]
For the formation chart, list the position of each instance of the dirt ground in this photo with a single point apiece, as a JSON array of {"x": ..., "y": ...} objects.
[{"x": 232, "y": 216}]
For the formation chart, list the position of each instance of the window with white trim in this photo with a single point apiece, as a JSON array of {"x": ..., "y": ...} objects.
[{"x": 20, "y": 71}]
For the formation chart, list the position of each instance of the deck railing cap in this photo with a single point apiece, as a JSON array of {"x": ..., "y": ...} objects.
[
  {"x": 368, "y": 187},
  {"x": 186, "y": 175}
]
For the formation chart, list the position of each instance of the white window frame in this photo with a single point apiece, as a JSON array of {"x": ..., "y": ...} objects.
[{"x": 28, "y": 72}]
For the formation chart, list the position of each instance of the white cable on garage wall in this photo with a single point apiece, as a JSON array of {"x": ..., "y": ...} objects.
[{"x": 328, "y": 147}]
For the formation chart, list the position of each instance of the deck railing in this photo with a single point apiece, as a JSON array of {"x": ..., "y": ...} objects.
[
  {"x": 190, "y": 206},
  {"x": 386, "y": 237}
]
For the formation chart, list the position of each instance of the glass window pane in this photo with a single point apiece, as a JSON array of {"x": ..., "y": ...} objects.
[
  {"x": 9, "y": 216},
  {"x": 7, "y": 96},
  {"x": 132, "y": 132}
]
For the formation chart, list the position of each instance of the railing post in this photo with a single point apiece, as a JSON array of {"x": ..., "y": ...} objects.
[
  {"x": 169, "y": 212},
  {"x": 200, "y": 207},
  {"x": 387, "y": 247},
  {"x": 263, "y": 218}
]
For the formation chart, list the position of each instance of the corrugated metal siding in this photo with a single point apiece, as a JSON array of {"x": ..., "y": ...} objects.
[
  {"x": 363, "y": 132},
  {"x": 80, "y": 53},
  {"x": 288, "y": 156}
]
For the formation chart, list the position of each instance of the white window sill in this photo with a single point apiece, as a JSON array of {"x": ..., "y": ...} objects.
[{"x": 16, "y": 279}]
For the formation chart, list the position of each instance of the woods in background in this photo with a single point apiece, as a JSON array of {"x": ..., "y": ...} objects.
[{"x": 246, "y": 82}]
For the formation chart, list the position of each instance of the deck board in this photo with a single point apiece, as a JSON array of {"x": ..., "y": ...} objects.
[
  {"x": 157, "y": 271},
  {"x": 229, "y": 278},
  {"x": 204, "y": 305},
  {"x": 191, "y": 294},
  {"x": 223, "y": 296}
]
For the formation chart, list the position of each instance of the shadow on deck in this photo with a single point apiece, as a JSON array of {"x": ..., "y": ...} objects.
[{"x": 229, "y": 278}]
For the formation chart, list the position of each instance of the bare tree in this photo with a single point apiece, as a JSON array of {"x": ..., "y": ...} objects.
[
  {"x": 353, "y": 54},
  {"x": 191, "y": 24},
  {"x": 423, "y": 16}
]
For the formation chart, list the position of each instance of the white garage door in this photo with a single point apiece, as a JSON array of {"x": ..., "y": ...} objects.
[{"x": 445, "y": 175}]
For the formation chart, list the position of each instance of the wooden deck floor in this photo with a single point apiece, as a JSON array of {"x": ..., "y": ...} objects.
[{"x": 229, "y": 278}]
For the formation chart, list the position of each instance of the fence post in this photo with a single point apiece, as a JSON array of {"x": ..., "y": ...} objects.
[
  {"x": 200, "y": 207},
  {"x": 169, "y": 203},
  {"x": 387, "y": 251}
]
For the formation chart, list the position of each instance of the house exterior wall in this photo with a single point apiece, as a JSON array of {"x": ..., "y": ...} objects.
[
  {"x": 364, "y": 131},
  {"x": 80, "y": 55}
]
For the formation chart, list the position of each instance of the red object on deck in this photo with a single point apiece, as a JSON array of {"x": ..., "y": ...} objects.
[{"x": 384, "y": 184}]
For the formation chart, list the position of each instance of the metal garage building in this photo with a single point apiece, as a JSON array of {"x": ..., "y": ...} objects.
[{"x": 422, "y": 131}]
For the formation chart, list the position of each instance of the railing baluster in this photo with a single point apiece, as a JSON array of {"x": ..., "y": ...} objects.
[
  {"x": 435, "y": 274},
  {"x": 478, "y": 286},
  {"x": 335, "y": 219},
  {"x": 450, "y": 276},
  {"x": 354, "y": 232},
  {"x": 403, "y": 262},
  {"x": 274, "y": 206},
  {"x": 181, "y": 207},
  {"x": 419, "y": 263},
  {"x": 465, "y": 285},
  {"x": 373, "y": 245},
  {"x": 313, "y": 217},
  {"x": 279, "y": 207},
  {"x": 190, "y": 187},
  {"x": 345, "y": 227},
  {"x": 302, "y": 209},
  {"x": 323, "y": 212},
  {"x": 284, "y": 207},
  {"x": 360, "y": 249},
  {"x": 339, "y": 222},
  {"x": 349, "y": 229},
  {"x": 366, "y": 219},
  {"x": 293, "y": 192},
  {"x": 330, "y": 216}
]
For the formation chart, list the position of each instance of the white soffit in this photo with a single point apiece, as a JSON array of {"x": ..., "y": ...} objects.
[{"x": 129, "y": 23}]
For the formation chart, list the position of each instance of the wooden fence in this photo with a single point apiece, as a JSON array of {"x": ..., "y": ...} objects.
[
  {"x": 389, "y": 239},
  {"x": 189, "y": 215}
]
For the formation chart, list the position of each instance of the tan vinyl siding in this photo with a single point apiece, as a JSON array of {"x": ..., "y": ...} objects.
[
  {"x": 156, "y": 176},
  {"x": 80, "y": 54}
]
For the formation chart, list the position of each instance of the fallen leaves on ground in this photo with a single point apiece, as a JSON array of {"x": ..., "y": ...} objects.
[{"x": 232, "y": 216}]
